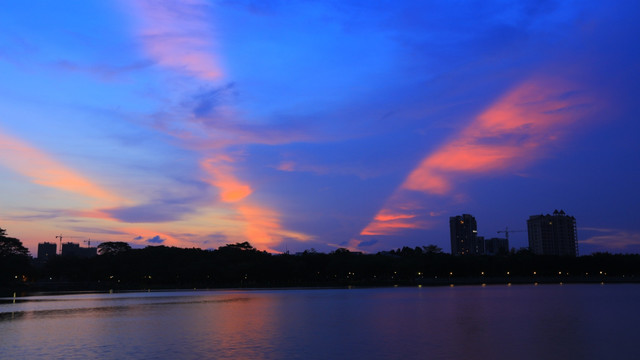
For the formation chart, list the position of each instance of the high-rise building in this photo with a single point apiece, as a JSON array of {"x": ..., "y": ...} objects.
[
  {"x": 464, "y": 235},
  {"x": 480, "y": 245},
  {"x": 46, "y": 251},
  {"x": 553, "y": 234},
  {"x": 496, "y": 246},
  {"x": 73, "y": 249}
]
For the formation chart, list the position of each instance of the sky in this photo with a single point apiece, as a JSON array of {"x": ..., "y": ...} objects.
[{"x": 317, "y": 124}]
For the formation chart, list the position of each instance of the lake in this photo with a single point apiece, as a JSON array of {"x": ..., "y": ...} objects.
[{"x": 571, "y": 321}]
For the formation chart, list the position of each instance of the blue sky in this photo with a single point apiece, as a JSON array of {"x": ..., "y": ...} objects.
[{"x": 320, "y": 124}]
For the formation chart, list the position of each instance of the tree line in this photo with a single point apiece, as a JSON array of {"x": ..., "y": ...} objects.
[{"x": 118, "y": 266}]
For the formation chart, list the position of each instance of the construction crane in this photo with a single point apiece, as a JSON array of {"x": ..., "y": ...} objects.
[
  {"x": 88, "y": 242},
  {"x": 64, "y": 236},
  {"x": 506, "y": 232}
]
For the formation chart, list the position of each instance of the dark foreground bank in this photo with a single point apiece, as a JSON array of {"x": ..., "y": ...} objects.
[{"x": 242, "y": 266}]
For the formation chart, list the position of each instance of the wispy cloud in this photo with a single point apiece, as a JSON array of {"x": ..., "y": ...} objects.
[
  {"x": 264, "y": 229},
  {"x": 103, "y": 71},
  {"x": 95, "y": 230},
  {"x": 206, "y": 101},
  {"x": 155, "y": 240},
  {"x": 42, "y": 169},
  {"x": 509, "y": 135},
  {"x": 177, "y": 34},
  {"x": 220, "y": 170},
  {"x": 617, "y": 239},
  {"x": 389, "y": 221},
  {"x": 149, "y": 213},
  {"x": 522, "y": 126}
]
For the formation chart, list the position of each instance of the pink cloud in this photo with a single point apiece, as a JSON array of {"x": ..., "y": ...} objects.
[
  {"x": 221, "y": 176},
  {"x": 263, "y": 228},
  {"x": 393, "y": 217},
  {"x": 399, "y": 214},
  {"x": 42, "y": 169},
  {"x": 511, "y": 133},
  {"x": 177, "y": 35},
  {"x": 612, "y": 238},
  {"x": 287, "y": 166},
  {"x": 261, "y": 225},
  {"x": 520, "y": 127}
]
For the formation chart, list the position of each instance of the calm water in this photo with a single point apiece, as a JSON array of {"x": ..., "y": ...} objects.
[{"x": 463, "y": 322}]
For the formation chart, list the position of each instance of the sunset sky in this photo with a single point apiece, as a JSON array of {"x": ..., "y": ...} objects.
[{"x": 318, "y": 124}]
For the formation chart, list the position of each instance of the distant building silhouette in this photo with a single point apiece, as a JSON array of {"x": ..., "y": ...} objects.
[
  {"x": 554, "y": 234},
  {"x": 480, "y": 247},
  {"x": 73, "y": 249},
  {"x": 464, "y": 235},
  {"x": 496, "y": 246},
  {"x": 47, "y": 251}
]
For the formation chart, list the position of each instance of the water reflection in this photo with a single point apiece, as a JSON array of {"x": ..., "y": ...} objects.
[{"x": 463, "y": 322}]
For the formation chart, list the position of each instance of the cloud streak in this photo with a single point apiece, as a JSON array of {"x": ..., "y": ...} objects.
[
  {"x": 264, "y": 229},
  {"x": 522, "y": 126},
  {"x": 510, "y": 134},
  {"x": 611, "y": 238},
  {"x": 177, "y": 35},
  {"x": 42, "y": 169},
  {"x": 220, "y": 171}
]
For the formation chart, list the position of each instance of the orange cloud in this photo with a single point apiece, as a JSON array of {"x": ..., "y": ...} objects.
[
  {"x": 241, "y": 222},
  {"x": 43, "y": 170},
  {"x": 390, "y": 220},
  {"x": 517, "y": 129},
  {"x": 92, "y": 214},
  {"x": 393, "y": 217},
  {"x": 379, "y": 227},
  {"x": 220, "y": 170},
  {"x": 511, "y": 133},
  {"x": 263, "y": 229},
  {"x": 177, "y": 34},
  {"x": 261, "y": 226}
]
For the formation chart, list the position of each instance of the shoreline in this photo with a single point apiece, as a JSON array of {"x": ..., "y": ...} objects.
[{"x": 62, "y": 287}]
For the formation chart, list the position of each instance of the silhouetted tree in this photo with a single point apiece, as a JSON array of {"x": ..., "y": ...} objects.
[
  {"x": 242, "y": 265},
  {"x": 432, "y": 249},
  {"x": 340, "y": 251},
  {"x": 11, "y": 246},
  {"x": 113, "y": 248},
  {"x": 14, "y": 260},
  {"x": 245, "y": 246}
]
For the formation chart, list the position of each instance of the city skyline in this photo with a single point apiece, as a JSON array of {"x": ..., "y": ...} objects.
[{"x": 317, "y": 124}]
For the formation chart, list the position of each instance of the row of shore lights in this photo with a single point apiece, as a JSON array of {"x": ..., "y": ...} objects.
[{"x": 534, "y": 273}]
